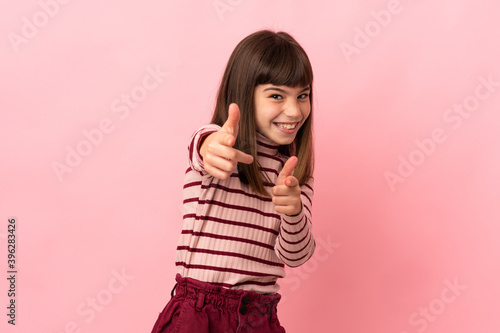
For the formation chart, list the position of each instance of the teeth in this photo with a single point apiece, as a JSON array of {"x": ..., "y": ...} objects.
[{"x": 287, "y": 126}]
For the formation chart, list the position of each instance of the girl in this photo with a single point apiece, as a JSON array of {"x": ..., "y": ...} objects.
[{"x": 248, "y": 193}]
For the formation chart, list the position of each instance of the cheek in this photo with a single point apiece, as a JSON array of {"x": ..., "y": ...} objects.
[
  {"x": 306, "y": 111},
  {"x": 263, "y": 122},
  {"x": 267, "y": 116}
]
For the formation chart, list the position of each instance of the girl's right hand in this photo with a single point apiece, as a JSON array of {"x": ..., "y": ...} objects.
[{"x": 219, "y": 156}]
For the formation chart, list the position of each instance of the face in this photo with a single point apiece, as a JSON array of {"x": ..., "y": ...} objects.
[{"x": 280, "y": 111}]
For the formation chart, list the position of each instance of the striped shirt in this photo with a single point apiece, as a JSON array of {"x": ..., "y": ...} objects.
[{"x": 232, "y": 236}]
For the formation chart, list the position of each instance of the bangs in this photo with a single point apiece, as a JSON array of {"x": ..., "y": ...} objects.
[{"x": 284, "y": 64}]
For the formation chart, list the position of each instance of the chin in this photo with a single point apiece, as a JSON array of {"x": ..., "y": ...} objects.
[{"x": 284, "y": 142}]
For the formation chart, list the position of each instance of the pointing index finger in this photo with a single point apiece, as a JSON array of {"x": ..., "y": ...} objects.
[
  {"x": 291, "y": 181},
  {"x": 243, "y": 158}
]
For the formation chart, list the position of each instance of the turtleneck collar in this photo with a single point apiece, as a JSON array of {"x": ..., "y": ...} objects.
[{"x": 266, "y": 146}]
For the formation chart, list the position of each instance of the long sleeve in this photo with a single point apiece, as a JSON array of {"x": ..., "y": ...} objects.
[
  {"x": 232, "y": 236},
  {"x": 195, "y": 159},
  {"x": 295, "y": 242}
]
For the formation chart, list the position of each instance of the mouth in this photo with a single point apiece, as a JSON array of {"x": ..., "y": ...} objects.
[{"x": 288, "y": 127}]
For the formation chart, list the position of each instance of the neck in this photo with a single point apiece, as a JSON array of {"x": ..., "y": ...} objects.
[{"x": 266, "y": 146}]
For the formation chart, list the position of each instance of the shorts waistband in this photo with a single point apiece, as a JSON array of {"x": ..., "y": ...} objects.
[{"x": 231, "y": 299}]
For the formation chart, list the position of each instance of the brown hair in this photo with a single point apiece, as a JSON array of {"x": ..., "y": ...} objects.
[{"x": 260, "y": 58}]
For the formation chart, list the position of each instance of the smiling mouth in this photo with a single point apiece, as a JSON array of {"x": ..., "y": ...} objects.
[{"x": 287, "y": 126}]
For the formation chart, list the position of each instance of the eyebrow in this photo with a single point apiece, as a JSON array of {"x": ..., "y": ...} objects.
[{"x": 284, "y": 92}]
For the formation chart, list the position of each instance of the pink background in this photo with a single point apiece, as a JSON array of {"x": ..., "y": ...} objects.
[{"x": 387, "y": 254}]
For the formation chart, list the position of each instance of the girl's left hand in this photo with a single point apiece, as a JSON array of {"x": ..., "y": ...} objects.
[{"x": 286, "y": 193}]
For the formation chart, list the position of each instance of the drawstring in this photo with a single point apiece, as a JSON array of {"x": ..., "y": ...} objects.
[
  {"x": 172, "y": 293},
  {"x": 200, "y": 302}
]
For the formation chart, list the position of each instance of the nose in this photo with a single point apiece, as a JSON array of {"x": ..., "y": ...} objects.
[{"x": 292, "y": 110}]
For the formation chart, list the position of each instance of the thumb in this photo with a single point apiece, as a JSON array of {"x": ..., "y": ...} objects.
[
  {"x": 233, "y": 118},
  {"x": 287, "y": 170}
]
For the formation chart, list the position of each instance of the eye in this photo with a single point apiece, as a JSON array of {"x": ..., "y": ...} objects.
[
  {"x": 276, "y": 97},
  {"x": 304, "y": 96}
]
